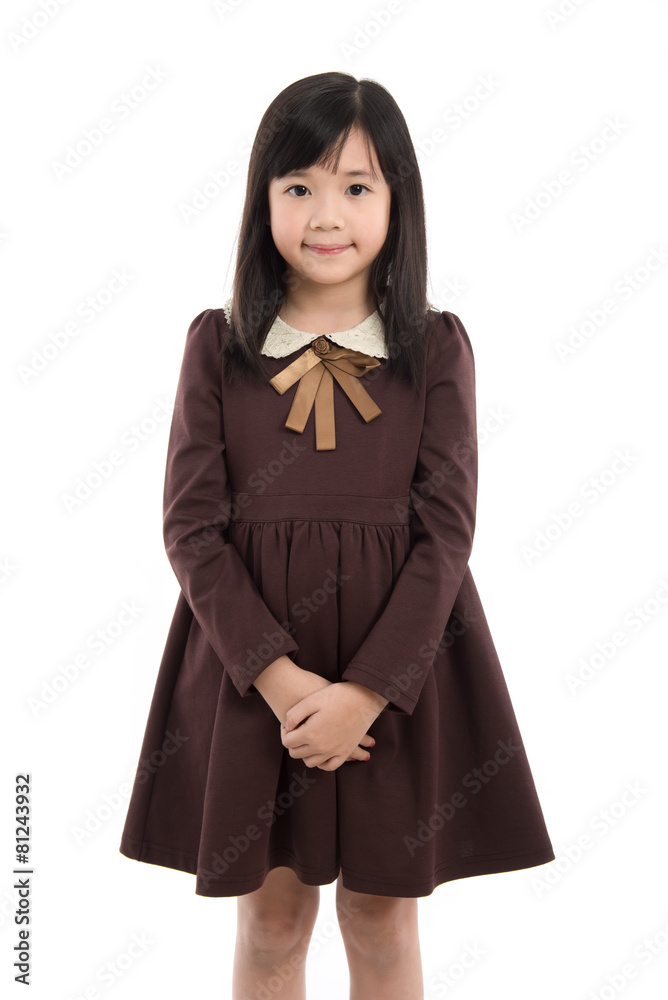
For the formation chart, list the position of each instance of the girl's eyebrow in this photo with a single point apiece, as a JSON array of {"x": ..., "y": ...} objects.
[{"x": 348, "y": 173}]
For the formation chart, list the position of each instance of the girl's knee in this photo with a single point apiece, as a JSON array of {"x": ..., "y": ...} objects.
[
  {"x": 272, "y": 932},
  {"x": 279, "y": 917},
  {"x": 376, "y": 925}
]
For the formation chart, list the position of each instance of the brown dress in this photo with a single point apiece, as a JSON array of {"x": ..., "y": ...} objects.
[{"x": 354, "y": 561}]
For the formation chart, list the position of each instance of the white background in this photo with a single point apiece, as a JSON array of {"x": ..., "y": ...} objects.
[{"x": 561, "y": 930}]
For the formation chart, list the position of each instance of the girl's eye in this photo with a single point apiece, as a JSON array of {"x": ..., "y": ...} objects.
[{"x": 304, "y": 188}]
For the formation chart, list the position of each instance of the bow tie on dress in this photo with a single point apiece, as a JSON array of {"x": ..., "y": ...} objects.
[{"x": 316, "y": 370}]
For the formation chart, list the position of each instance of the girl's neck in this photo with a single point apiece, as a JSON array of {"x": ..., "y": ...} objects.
[{"x": 313, "y": 318}]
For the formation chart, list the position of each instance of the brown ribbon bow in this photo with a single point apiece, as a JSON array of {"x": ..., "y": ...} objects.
[{"x": 315, "y": 369}]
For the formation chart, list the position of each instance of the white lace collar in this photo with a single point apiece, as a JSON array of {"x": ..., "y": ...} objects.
[{"x": 282, "y": 339}]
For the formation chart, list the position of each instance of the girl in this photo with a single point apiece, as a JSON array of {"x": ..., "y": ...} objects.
[{"x": 319, "y": 511}]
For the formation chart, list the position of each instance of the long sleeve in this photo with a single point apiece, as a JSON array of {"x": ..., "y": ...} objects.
[
  {"x": 396, "y": 655},
  {"x": 196, "y": 513}
]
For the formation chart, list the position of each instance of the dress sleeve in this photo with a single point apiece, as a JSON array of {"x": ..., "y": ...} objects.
[
  {"x": 400, "y": 649},
  {"x": 196, "y": 513}
]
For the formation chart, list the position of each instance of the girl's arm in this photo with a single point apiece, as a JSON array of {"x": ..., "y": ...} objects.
[
  {"x": 283, "y": 683},
  {"x": 399, "y": 651},
  {"x": 196, "y": 506}
]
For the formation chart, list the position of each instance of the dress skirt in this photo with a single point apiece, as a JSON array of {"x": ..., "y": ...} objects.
[{"x": 353, "y": 562}]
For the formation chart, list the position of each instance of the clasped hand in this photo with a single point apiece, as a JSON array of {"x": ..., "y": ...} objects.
[{"x": 337, "y": 718}]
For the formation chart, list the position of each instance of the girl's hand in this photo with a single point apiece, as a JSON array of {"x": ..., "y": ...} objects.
[
  {"x": 357, "y": 753},
  {"x": 326, "y": 727},
  {"x": 307, "y": 682}
]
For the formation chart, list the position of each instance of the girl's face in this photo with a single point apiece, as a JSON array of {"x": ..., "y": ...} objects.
[{"x": 316, "y": 207}]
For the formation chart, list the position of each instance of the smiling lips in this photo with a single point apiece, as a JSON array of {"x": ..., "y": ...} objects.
[{"x": 327, "y": 248}]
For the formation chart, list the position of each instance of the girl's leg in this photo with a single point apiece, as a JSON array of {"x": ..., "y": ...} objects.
[
  {"x": 380, "y": 935},
  {"x": 274, "y": 927}
]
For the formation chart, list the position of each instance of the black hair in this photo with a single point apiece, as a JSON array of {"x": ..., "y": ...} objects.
[{"x": 307, "y": 124}]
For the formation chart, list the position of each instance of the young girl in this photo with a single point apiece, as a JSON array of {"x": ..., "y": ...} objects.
[{"x": 329, "y": 704}]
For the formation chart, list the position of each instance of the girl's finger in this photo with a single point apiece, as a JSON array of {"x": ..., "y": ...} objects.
[{"x": 361, "y": 754}]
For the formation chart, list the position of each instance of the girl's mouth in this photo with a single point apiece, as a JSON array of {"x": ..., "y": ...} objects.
[{"x": 326, "y": 251}]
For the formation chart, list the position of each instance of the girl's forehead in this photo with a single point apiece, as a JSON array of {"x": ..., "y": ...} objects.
[
  {"x": 360, "y": 171},
  {"x": 356, "y": 156}
]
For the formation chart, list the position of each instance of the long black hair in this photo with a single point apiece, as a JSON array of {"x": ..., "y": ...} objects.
[{"x": 308, "y": 123}]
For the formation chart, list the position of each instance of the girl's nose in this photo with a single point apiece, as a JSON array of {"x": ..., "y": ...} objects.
[{"x": 325, "y": 214}]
